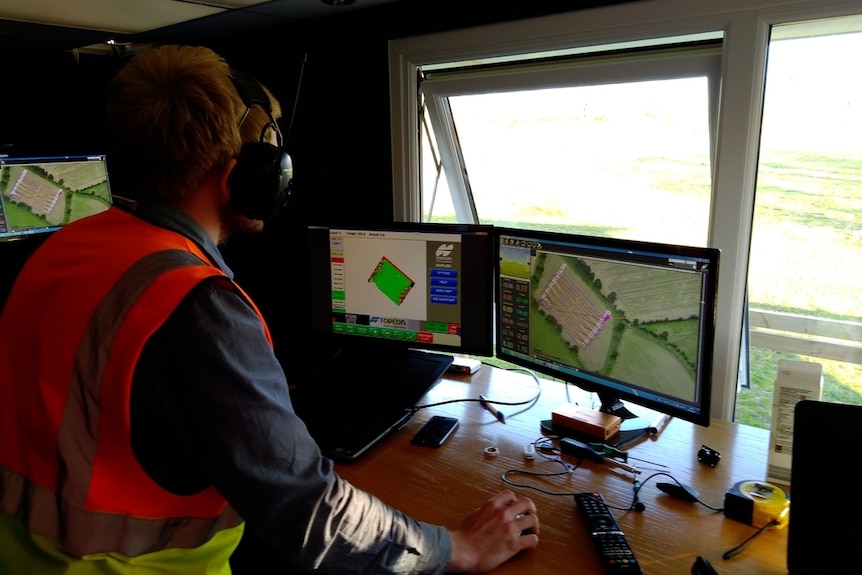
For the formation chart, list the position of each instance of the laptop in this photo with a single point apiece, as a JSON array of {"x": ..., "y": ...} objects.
[
  {"x": 356, "y": 398},
  {"x": 824, "y": 528}
]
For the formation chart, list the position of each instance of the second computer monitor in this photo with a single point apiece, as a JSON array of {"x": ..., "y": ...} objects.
[{"x": 630, "y": 321}]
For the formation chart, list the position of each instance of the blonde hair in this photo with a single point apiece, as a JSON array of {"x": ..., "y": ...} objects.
[{"x": 173, "y": 116}]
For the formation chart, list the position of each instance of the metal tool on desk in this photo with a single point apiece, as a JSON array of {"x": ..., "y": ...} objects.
[
  {"x": 598, "y": 452},
  {"x": 609, "y": 451}
]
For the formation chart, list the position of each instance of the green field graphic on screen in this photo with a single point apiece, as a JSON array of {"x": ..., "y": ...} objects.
[{"x": 391, "y": 281}]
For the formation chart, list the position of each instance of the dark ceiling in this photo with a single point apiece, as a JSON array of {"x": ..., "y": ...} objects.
[
  {"x": 38, "y": 29},
  {"x": 143, "y": 22}
]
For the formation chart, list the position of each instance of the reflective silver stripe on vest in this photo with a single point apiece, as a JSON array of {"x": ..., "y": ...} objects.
[
  {"x": 64, "y": 518},
  {"x": 85, "y": 532}
]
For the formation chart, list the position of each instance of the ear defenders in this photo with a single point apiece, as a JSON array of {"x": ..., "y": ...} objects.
[{"x": 262, "y": 179}]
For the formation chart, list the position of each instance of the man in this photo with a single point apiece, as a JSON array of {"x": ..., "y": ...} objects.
[{"x": 144, "y": 417}]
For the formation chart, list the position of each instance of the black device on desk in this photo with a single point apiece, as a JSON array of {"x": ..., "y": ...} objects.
[
  {"x": 825, "y": 507},
  {"x": 608, "y": 539},
  {"x": 392, "y": 302},
  {"x": 630, "y": 321},
  {"x": 435, "y": 431}
]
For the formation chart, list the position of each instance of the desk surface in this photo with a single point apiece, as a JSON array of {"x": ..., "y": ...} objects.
[{"x": 443, "y": 485}]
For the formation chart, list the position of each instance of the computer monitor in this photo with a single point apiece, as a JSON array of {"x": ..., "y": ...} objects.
[
  {"x": 398, "y": 286},
  {"x": 39, "y": 195},
  {"x": 627, "y": 320}
]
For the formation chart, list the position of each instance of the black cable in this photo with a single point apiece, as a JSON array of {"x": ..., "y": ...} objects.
[
  {"x": 637, "y": 504},
  {"x": 741, "y": 547},
  {"x": 528, "y": 402},
  {"x": 544, "y": 449},
  {"x": 552, "y": 455}
]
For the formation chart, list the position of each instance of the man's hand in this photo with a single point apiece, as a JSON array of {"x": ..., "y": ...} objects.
[{"x": 493, "y": 533}]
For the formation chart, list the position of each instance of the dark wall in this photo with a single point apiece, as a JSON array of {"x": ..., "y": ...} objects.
[{"x": 53, "y": 103}]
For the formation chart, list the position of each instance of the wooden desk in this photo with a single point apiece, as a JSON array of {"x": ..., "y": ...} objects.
[{"x": 443, "y": 485}]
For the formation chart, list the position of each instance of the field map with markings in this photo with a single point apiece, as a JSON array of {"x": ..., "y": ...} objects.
[
  {"x": 47, "y": 194},
  {"x": 594, "y": 316}
]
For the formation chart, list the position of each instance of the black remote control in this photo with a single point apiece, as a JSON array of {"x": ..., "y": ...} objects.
[{"x": 608, "y": 539}]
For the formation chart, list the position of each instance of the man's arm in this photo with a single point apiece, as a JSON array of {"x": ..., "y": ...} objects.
[{"x": 210, "y": 406}]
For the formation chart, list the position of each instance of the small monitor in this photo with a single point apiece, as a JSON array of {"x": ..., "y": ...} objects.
[
  {"x": 404, "y": 286},
  {"x": 627, "y": 320},
  {"x": 39, "y": 195}
]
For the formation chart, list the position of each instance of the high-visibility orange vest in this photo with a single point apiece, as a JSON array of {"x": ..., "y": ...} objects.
[{"x": 71, "y": 332}]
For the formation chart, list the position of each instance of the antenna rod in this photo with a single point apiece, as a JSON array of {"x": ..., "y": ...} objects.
[{"x": 296, "y": 99}]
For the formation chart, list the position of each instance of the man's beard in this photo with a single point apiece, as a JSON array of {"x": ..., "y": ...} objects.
[{"x": 234, "y": 223}]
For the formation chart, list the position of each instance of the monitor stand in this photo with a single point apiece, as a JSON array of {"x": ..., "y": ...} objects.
[
  {"x": 632, "y": 427},
  {"x": 631, "y": 422}
]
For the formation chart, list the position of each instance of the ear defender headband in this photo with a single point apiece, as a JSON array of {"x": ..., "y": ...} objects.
[{"x": 261, "y": 181}]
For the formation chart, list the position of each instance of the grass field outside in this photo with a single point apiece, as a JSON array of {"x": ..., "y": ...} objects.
[{"x": 806, "y": 259}]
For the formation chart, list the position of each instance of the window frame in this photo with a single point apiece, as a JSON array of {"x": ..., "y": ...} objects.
[
  {"x": 745, "y": 26},
  {"x": 650, "y": 64}
]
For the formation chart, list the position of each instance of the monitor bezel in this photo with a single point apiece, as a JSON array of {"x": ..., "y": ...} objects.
[
  {"x": 481, "y": 289},
  {"x": 598, "y": 384}
]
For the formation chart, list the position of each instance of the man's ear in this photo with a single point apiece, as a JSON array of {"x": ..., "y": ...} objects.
[{"x": 224, "y": 176}]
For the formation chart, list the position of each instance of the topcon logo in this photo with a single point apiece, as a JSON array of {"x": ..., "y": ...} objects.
[
  {"x": 445, "y": 250},
  {"x": 388, "y": 321}
]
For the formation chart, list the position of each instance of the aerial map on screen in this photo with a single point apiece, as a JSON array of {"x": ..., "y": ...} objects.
[{"x": 43, "y": 194}]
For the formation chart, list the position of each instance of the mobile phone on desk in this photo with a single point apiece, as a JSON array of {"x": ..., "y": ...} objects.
[{"x": 436, "y": 431}]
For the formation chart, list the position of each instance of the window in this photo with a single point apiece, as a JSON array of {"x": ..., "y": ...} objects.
[
  {"x": 615, "y": 145},
  {"x": 806, "y": 246},
  {"x": 611, "y": 123}
]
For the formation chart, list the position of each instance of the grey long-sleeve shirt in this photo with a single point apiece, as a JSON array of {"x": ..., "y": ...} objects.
[{"x": 210, "y": 406}]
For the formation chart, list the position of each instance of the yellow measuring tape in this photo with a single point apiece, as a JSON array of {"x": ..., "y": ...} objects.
[{"x": 757, "y": 503}]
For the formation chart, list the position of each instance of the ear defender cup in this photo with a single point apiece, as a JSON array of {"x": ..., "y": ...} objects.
[{"x": 261, "y": 182}]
